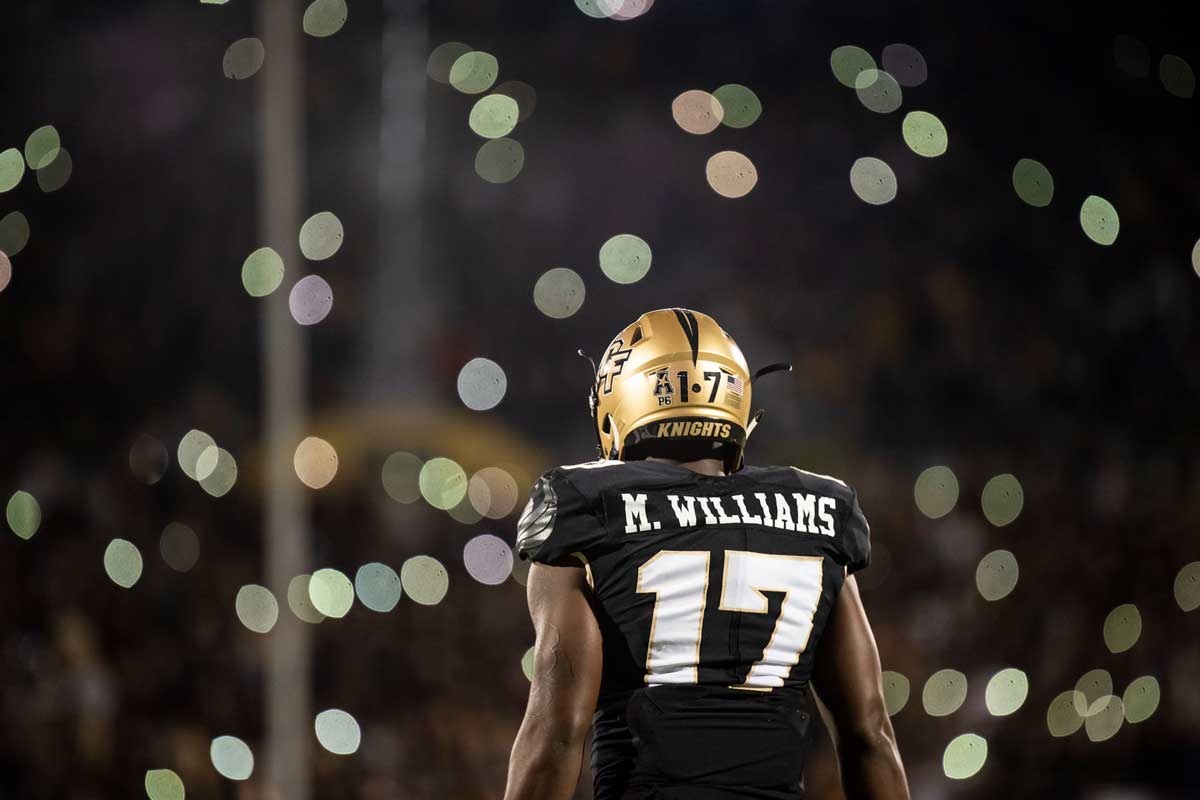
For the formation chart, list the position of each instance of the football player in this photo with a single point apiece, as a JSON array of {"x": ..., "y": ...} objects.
[{"x": 685, "y": 604}]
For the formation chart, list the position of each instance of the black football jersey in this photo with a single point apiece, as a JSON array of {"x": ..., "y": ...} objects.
[{"x": 711, "y": 595}]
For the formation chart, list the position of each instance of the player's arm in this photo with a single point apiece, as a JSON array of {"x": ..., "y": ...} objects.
[
  {"x": 567, "y": 661},
  {"x": 847, "y": 678}
]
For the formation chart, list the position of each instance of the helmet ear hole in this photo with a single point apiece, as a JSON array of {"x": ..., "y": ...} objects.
[
  {"x": 606, "y": 426},
  {"x": 637, "y": 336}
]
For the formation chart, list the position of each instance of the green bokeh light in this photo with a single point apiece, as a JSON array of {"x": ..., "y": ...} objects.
[
  {"x": 944, "y": 692},
  {"x": 443, "y": 483},
  {"x": 401, "y": 477},
  {"x": 179, "y": 546},
  {"x": 465, "y": 512},
  {"x": 848, "y": 62},
  {"x": 964, "y": 756},
  {"x": 325, "y": 17},
  {"x": 377, "y": 586},
  {"x": 256, "y": 608},
  {"x": 24, "y": 514},
  {"x": 193, "y": 443},
  {"x": 1196, "y": 257},
  {"x": 42, "y": 146},
  {"x": 873, "y": 181},
  {"x": 442, "y": 58},
  {"x": 5, "y": 271},
  {"x": 425, "y": 580},
  {"x": 731, "y": 174},
  {"x": 936, "y": 491},
  {"x": 1104, "y": 718},
  {"x": 997, "y": 574},
  {"x": 878, "y": 91},
  {"x": 14, "y": 233},
  {"x": 231, "y": 757},
  {"x": 123, "y": 563},
  {"x": 559, "y": 293},
  {"x": 494, "y": 116},
  {"x": 740, "y": 105},
  {"x": 1141, "y": 698},
  {"x": 321, "y": 236},
  {"x": 625, "y": 258},
  {"x": 1033, "y": 182},
  {"x": 223, "y": 476},
  {"x": 55, "y": 175},
  {"x": 523, "y": 93},
  {"x": 500, "y": 160},
  {"x": 527, "y": 664},
  {"x": 1099, "y": 220},
  {"x": 1187, "y": 587},
  {"x": 1063, "y": 716},
  {"x": 1006, "y": 692},
  {"x": 1002, "y": 499},
  {"x": 12, "y": 169},
  {"x": 163, "y": 784},
  {"x": 1122, "y": 628},
  {"x": 925, "y": 134},
  {"x": 896, "y": 690},
  {"x": 243, "y": 58},
  {"x": 262, "y": 272},
  {"x": 1091, "y": 686},
  {"x": 481, "y": 384},
  {"x": 337, "y": 731},
  {"x": 300, "y": 602},
  {"x": 1177, "y": 76},
  {"x": 474, "y": 72},
  {"x": 331, "y": 592}
]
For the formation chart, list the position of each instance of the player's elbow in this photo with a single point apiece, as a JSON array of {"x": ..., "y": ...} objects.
[{"x": 867, "y": 730}]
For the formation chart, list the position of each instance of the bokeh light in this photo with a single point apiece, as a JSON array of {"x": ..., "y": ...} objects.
[
  {"x": 924, "y": 134},
  {"x": 12, "y": 169},
  {"x": 1141, "y": 698},
  {"x": 24, "y": 514},
  {"x": 740, "y": 106},
  {"x": 527, "y": 664},
  {"x": 524, "y": 95},
  {"x": 206, "y": 463},
  {"x": 1002, "y": 499},
  {"x": 936, "y": 491},
  {"x": 873, "y": 181},
  {"x": 1132, "y": 56},
  {"x": 311, "y": 300},
  {"x": 731, "y": 174},
  {"x": 944, "y": 692},
  {"x": 179, "y": 546},
  {"x": 878, "y": 91},
  {"x": 559, "y": 293},
  {"x": 964, "y": 756},
  {"x": 896, "y": 690},
  {"x": 1196, "y": 257},
  {"x": 14, "y": 233},
  {"x": 55, "y": 175},
  {"x": 625, "y": 10},
  {"x": 231, "y": 757},
  {"x": 905, "y": 63},
  {"x": 443, "y": 483},
  {"x": 442, "y": 58},
  {"x": 1006, "y": 692},
  {"x": 300, "y": 602},
  {"x": 401, "y": 477},
  {"x": 493, "y": 116},
  {"x": 262, "y": 272},
  {"x": 1090, "y": 687},
  {"x": 474, "y": 72},
  {"x": 1063, "y": 716},
  {"x": 377, "y": 586},
  {"x": 481, "y": 384},
  {"x": 493, "y": 492},
  {"x": 1033, "y": 182},
  {"x": 1099, "y": 220},
  {"x": 5, "y": 271},
  {"x": 425, "y": 580},
  {"x": 464, "y": 512},
  {"x": 997, "y": 574},
  {"x": 1122, "y": 628},
  {"x": 315, "y": 462},
  {"x": 337, "y": 731},
  {"x": 163, "y": 784},
  {"x": 148, "y": 459},
  {"x": 1104, "y": 718},
  {"x": 321, "y": 236},
  {"x": 500, "y": 160},
  {"x": 193, "y": 443},
  {"x": 256, "y": 608},
  {"x": 223, "y": 475},
  {"x": 697, "y": 112},
  {"x": 42, "y": 146},
  {"x": 848, "y": 62},
  {"x": 325, "y": 17},
  {"x": 331, "y": 592},
  {"x": 625, "y": 258},
  {"x": 1177, "y": 76},
  {"x": 1187, "y": 587},
  {"x": 123, "y": 563},
  {"x": 488, "y": 559},
  {"x": 243, "y": 59}
]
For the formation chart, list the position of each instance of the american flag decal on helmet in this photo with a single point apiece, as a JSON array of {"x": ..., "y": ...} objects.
[{"x": 733, "y": 390}]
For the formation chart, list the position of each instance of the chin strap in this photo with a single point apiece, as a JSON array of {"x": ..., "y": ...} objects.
[{"x": 756, "y": 417}]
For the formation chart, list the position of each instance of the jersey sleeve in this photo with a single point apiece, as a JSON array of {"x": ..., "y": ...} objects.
[
  {"x": 857, "y": 537},
  {"x": 557, "y": 522}
]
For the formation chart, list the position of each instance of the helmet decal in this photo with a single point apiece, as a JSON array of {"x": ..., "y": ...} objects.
[{"x": 691, "y": 329}]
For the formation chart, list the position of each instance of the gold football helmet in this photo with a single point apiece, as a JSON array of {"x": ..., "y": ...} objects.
[{"x": 673, "y": 384}]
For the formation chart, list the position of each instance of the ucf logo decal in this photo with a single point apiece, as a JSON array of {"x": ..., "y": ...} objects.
[{"x": 613, "y": 364}]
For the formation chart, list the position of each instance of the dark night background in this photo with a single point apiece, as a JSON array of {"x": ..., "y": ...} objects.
[{"x": 955, "y": 325}]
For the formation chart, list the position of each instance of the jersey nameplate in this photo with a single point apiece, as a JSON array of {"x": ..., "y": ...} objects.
[{"x": 641, "y": 512}]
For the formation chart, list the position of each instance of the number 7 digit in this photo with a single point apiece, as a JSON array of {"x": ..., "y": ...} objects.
[{"x": 715, "y": 377}]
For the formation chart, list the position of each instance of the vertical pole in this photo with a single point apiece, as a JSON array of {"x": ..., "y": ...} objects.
[{"x": 284, "y": 362}]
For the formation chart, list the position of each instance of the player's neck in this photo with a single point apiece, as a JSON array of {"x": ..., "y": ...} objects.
[{"x": 704, "y": 466}]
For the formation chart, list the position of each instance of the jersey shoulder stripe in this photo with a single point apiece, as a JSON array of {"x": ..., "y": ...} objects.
[
  {"x": 822, "y": 477},
  {"x": 537, "y": 520}
]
